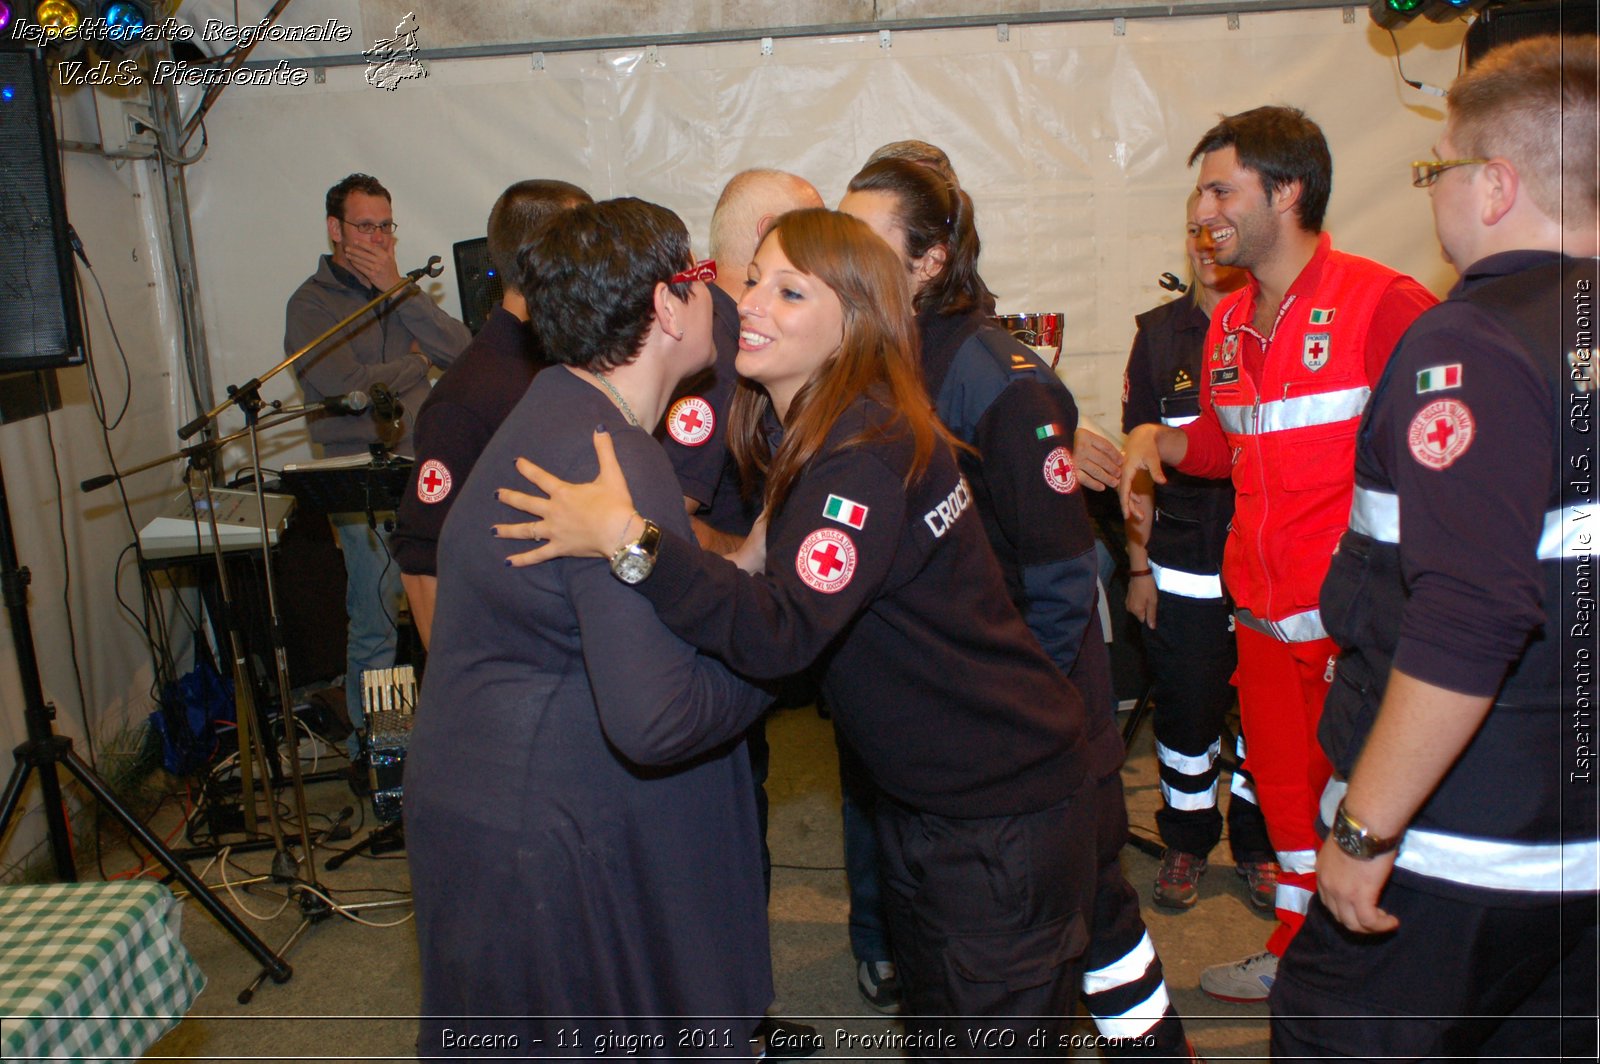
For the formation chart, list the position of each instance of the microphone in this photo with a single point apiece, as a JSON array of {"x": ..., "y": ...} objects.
[
  {"x": 386, "y": 405},
  {"x": 349, "y": 403},
  {"x": 1170, "y": 282},
  {"x": 433, "y": 269}
]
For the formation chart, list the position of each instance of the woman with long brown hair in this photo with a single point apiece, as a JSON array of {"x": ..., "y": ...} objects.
[
  {"x": 877, "y": 570},
  {"x": 1021, "y": 422}
]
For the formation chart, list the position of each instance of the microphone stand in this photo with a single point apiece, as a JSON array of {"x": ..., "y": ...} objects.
[{"x": 247, "y": 397}]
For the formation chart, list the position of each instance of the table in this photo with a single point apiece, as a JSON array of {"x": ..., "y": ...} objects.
[{"x": 91, "y": 970}]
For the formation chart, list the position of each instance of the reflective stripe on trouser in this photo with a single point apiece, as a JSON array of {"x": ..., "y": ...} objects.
[
  {"x": 1192, "y": 656},
  {"x": 1281, "y": 690},
  {"x": 1123, "y": 985},
  {"x": 1241, "y": 787}
]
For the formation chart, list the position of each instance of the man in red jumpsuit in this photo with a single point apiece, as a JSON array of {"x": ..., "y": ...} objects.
[{"x": 1290, "y": 360}]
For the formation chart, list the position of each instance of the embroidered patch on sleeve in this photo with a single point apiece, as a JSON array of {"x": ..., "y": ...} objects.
[
  {"x": 1441, "y": 433},
  {"x": 433, "y": 481},
  {"x": 845, "y": 511},
  {"x": 826, "y": 560},
  {"x": 1439, "y": 378},
  {"x": 691, "y": 421},
  {"x": 1058, "y": 471}
]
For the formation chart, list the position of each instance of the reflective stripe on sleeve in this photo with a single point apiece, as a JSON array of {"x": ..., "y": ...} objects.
[
  {"x": 1375, "y": 514},
  {"x": 1189, "y": 585},
  {"x": 1179, "y": 422}
]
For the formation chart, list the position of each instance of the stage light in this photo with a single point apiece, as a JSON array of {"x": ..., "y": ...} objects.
[
  {"x": 1450, "y": 10},
  {"x": 5, "y": 15},
  {"x": 124, "y": 20},
  {"x": 57, "y": 17},
  {"x": 1389, "y": 14}
]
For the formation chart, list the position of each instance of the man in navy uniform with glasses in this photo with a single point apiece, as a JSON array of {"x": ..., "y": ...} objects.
[
  {"x": 1457, "y": 888},
  {"x": 391, "y": 347}
]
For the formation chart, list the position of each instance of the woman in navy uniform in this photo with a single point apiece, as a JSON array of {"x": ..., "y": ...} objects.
[
  {"x": 1175, "y": 589},
  {"x": 580, "y": 818},
  {"x": 877, "y": 568},
  {"x": 1020, "y": 421}
]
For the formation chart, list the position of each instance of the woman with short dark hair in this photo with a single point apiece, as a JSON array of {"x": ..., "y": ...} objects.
[
  {"x": 878, "y": 571},
  {"x": 580, "y": 818}
]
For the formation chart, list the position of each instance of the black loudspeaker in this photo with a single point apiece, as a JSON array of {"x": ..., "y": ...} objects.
[
  {"x": 39, "y": 327},
  {"x": 1502, "y": 23},
  {"x": 481, "y": 287}
]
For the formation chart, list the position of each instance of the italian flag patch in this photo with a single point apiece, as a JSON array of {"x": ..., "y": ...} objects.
[
  {"x": 845, "y": 511},
  {"x": 1321, "y": 317},
  {"x": 1439, "y": 378},
  {"x": 1045, "y": 432}
]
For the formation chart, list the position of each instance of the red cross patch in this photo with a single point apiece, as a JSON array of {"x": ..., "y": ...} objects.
[
  {"x": 1058, "y": 472},
  {"x": 691, "y": 420},
  {"x": 1440, "y": 433},
  {"x": 1315, "y": 352},
  {"x": 826, "y": 561},
  {"x": 433, "y": 481}
]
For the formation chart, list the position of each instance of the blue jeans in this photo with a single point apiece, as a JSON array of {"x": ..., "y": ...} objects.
[
  {"x": 869, "y": 939},
  {"x": 371, "y": 599}
]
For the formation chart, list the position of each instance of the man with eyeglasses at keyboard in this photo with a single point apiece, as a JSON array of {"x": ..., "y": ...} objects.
[
  {"x": 1290, "y": 360},
  {"x": 393, "y": 346},
  {"x": 1456, "y": 911}
]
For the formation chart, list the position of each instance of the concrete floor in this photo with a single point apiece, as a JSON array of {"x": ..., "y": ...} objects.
[{"x": 354, "y": 987}]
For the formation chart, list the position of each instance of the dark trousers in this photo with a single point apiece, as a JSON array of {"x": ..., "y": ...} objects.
[
  {"x": 1192, "y": 656},
  {"x": 1455, "y": 980},
  {"x": 1011, "y": 918},
  {"x": 989, "y": 919}
]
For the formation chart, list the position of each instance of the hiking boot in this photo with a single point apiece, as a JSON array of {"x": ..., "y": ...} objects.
[
  {"x": 1242, "y": 982},
  {"x": 1178, "y": 881},
  {"x": 1261, "y": 883}
]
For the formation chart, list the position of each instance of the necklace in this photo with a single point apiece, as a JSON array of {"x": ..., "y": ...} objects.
[{"x": 627, "y": 411}]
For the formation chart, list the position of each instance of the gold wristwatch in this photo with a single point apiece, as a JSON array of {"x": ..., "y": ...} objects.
[{"x": 634, "y": 560}]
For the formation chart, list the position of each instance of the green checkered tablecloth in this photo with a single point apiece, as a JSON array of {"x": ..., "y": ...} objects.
[{"x": 91, "y": 971}]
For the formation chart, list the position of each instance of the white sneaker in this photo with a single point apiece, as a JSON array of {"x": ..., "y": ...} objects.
[{"x": 1242, "y": 982}]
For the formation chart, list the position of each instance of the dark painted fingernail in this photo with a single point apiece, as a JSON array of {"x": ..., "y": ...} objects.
[
  {"x": 600, "y": 430},
  {"x": 508, "y": 563},
  {"x": 495, "y": 532}
]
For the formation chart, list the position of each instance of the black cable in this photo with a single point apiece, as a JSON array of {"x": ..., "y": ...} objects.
[
  {"x": 66, "y": 585},
  {"x": 1420, "y": 86}
]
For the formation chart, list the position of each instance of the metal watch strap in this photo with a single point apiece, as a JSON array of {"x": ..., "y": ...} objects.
[{"x": 1355, "y": 839}]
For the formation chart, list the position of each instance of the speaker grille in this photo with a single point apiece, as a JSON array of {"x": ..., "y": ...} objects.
[
  {"x": 481, "y": 287},
  {"x": 39, "y": 327}
]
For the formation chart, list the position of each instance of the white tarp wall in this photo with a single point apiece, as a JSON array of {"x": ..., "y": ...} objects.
[{"x": 1072, "y": 140}]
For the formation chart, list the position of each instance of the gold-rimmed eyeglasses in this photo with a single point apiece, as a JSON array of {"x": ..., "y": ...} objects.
[{"x": 1426, "y": 171}]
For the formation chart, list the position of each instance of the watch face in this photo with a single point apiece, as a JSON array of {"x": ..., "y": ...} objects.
[{"x": 633, "y": 567}]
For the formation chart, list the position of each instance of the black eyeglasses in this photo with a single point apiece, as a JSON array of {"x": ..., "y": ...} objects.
[
  {"x": 368, "y": 228},
  {"x": 1425, "y": 172}
]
